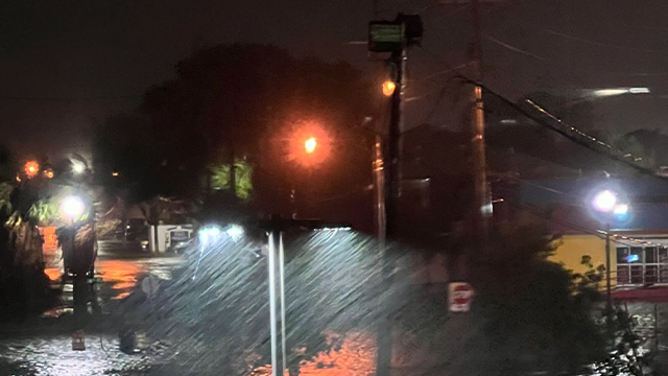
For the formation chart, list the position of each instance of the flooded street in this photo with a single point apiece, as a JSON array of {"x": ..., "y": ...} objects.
[
  {"x": 46, "y": 349},
  {"x": 118, "y": 269}
]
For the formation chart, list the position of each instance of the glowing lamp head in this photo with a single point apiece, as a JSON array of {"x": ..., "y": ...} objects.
[
  {"x": 72, "y": 207},
  {"x": 31, "y": 168},
  {"x": 310, "y": 145},
  {"x": 605, "y": 201},
  {"x": 78, "y": 167},
  {"x": 388, "y": 88},
  {"x": 49, "y": 173}
]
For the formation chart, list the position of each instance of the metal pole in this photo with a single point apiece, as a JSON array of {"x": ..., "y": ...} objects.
[
  {"x": 281, "y": 273},
  {"x": 379, "y": 187},
  {"x": 276, "y": 366},
  {"x": 607, "y": 269}
]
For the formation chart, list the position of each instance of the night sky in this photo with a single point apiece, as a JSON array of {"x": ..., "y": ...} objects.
[{"x": 66, "y": 65}]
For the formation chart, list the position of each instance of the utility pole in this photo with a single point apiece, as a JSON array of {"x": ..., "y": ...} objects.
[
  {"x": 394, "y": 37},
  {"x": 483, "y": 209}
]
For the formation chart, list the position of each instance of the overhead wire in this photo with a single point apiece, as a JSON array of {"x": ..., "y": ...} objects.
[
  {"x": 513, "y": 48},
  {"x": 69, "y": 99},
  {"x": 569, "y": 132}
]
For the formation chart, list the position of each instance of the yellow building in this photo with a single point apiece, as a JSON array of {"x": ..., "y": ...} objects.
[{"x": 571, "y": 249}]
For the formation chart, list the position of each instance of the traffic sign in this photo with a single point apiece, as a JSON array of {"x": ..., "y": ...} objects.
[{"x": 460, "y": 295}]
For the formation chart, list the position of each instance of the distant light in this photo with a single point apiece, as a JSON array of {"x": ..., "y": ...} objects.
[
  {"x": 78, "y": 167},
  {"x": 620, "y": 91},
  {"x": 508, "y": 121},
  {"x": 632, "y": 258},
  {"x": 610, "y": 92},
  {"x": 235, "y": 232},
  {"x": 389, "y": 87},
  {"x": 605, "y": 201},
  {"x": 114, "y": 174},
  {"x": 48, "y": 173},
  {"x": 209, "y": 234},
  {"x": 72, "y": 207},
  {"x": 310, "y": 145},
  {"x": 333, "y": 229}
]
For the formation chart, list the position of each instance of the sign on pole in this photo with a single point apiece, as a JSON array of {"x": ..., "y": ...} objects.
[
  {"x": 460, "y": 295},
  {"x": 386, "y": 36}
]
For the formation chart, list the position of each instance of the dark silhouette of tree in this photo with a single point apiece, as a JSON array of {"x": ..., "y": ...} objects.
[{"x": 242, "y": 102}]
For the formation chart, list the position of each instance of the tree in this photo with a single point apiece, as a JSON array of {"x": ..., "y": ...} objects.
[{"x": 241, "y": 102}]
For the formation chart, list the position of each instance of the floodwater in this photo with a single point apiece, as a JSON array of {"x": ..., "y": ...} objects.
[{"x": 118, "y": 269}]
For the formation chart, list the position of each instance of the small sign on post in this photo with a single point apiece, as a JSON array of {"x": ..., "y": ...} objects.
[
  {"x": 386, "y": 36},
  {"x": 460, "y": 295},
  {"x": 78, "y": 342}
]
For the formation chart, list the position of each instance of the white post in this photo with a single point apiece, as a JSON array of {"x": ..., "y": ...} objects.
[
  {"x": 151, "y": 239},
  {"x": 277, "y": 365}
]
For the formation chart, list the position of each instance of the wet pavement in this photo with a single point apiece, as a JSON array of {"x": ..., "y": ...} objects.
[
  {"x": 118, "y": 269},
  {"x": 44, "y": 348}
]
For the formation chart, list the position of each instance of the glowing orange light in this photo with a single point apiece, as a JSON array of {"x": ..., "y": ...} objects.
[
  {"x": 388, "y": 88},
  {"x": 310, "y": 145},
  {"x": 114, "y": 174},
  {"x": 31, "y": 168},
  {"x": 48, "y": 173}
]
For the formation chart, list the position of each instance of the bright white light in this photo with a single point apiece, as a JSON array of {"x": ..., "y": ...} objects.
[
  {"x": 72, "y": 207},
  {"x": 639, "y": 90},
  {"x": 78, "y": 167},
  {"x": 209, "y": 234},
  {"x": 605, "y": 201},
  {"x": 621, "y": 209},
  {"x": 235, "y": 232},
  {"x": 610, "y": 92}
]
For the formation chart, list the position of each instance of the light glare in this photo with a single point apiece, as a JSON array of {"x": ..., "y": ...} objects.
[
  {"x": 310, "y": 145},
  {"x": 605, "y": 201},
  {"x": 72, "y": 207},
  {"x": 388, "y": 88},
  {"x": 78, "y": 167},
  {"x": 639, "y": 90},
  {"x": 621, "y": 209}
]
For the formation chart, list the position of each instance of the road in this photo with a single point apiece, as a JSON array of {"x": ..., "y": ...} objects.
[
  {"x": 46, "y": 350},
  {"x": 118, "y": 269}
]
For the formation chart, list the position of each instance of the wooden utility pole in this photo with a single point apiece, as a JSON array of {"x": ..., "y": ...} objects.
[{"x": 482, "y": 210}]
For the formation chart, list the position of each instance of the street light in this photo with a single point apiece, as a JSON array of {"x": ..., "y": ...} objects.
[
  {"x": 78, "y": 167},
  {"x": 620, "y": 91},
  {"x": 310, "y": 145},
  {"x": 607, "y": 205},
  {"x": 72, "y": 207},
  {"x": 388, "y": 88},
  {"x": 31, "y": 169}
]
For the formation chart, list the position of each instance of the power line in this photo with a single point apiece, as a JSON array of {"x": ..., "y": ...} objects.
[
  {"x": 579, "y": 139},
  {"x": 513, "y": 48},
  {"x": 564, "y": 132},
  {"x": 69, "y": 99}
]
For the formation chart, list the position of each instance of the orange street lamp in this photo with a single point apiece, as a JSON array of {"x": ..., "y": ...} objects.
[
  {"x": 48, "y": 173},
  {"x": 388, "y": 88},
  {"x": 31, "y": 168},
  {"x": 310, "y": 145}
]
